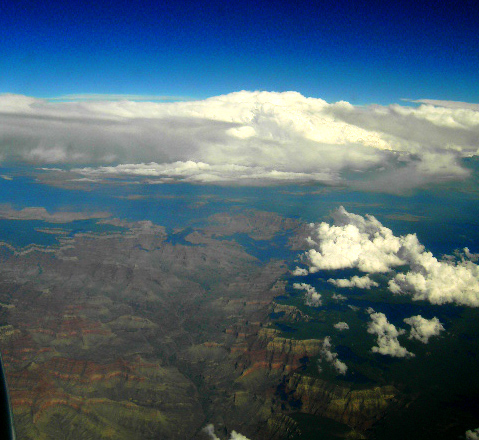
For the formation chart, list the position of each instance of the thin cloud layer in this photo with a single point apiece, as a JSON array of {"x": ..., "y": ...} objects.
[
  {"x": 252, "y": 137},
  {"x": 422, "y": 329},
  {"x": 387, "y": 333},
  {"x": 363, "y": 243}
]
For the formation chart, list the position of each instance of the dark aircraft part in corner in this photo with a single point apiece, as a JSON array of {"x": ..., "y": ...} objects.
[{"x": 7, "y": 430}]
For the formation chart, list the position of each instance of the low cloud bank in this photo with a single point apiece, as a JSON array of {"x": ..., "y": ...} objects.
[
  {"x": 363, "y": 243},
  {"x": 244, "y": 137}
]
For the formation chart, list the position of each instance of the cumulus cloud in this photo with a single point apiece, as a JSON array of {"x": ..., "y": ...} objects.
[
  {"x": 299, "y": 271},
  {"x": 338, "y": 297},
  {"x": 244, "y": 136},
  {"x": 354, "y": 242},
  {"x": 210, "y": 431},
  {"x": 422, "y": 329},
  {"x": 387, "y": 333},
  {"x": 311, "y": 297},
  {"x": 467, "y": 255},
  {"x": 439, "y": 282},
  {"x": 332, "y": 358},
  {"x": 430, "y": 141},
  {"x": 341, "y": 326},
  {"x": 364, "y": 243},
  {"x": 360, "y": 282}
]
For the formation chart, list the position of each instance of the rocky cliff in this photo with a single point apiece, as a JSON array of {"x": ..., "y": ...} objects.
[
  {"x": 123, "y": 400},
  {"x": 359, "y": 409}
]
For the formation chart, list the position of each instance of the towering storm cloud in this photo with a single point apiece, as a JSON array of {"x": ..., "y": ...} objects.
[{"x": 244, "y": 137}]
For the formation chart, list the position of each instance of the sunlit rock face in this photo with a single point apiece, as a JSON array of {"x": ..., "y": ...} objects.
[{"x": 356, "y": 408}]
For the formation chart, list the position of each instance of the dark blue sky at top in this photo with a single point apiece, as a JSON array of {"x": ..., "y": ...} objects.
[{"x": 363, "y": 52}]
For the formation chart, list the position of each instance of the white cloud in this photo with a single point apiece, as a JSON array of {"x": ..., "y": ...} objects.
[
  {"x": 438, "y": 282},
  {"x": 311, "y": 297},
  {"x": 275, "y": 137},
  {"x": 299, "y": 272},
  {"x": 210, "y": 431},
  {"x": 446, "y": 104},
  {"x": 422, "y": 329},
  {"x": 356, "y": 242},
  {"x": 360, "y": 282},
  {"x": 332, "y": 358},
  {"x": 387, "y": 333},
  {"x": 237, "y": 436},
  {"x": 441, "y": 127},
  {"x": 341, "y": 326},
  {"x": 472, "y": 434},
  {"x": 338, "y": 297},
  {"x": 444, "y": 113},
  {"x": 365, "y": 244},
  {"x": 200, "y": 172},
  {"x": 468, "y": 255}
]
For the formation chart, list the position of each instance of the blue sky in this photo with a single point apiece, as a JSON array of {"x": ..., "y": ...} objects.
[{"x": 362, "y": 52}]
